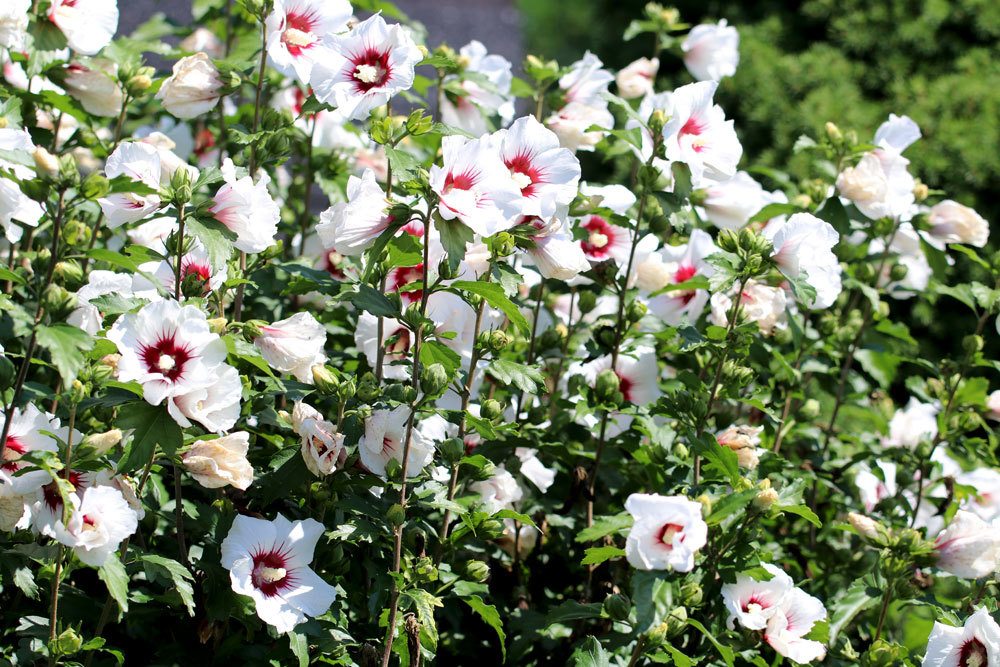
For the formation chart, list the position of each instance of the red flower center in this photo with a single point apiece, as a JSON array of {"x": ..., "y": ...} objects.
[
  {"x": 684, "y": 273},
  {"x": 270, "y": 574},
  {"x": 973, "y": 654},
  {"x": 625, "y": 386},
  {"x": 668, "y": 532},
  {"x": 463, "y": 181},
  {"x": 599, "y": 242},
  {"x": 403, "y": 276},
  {"x": 525, "y": 174},
  {"x": 297, "y": 36},
  {"x": 13, "y": 450},
  {"x": 167, "y": 357},
  {"x": 369, "y": 69},
  {"x": 692, "y": 126}
]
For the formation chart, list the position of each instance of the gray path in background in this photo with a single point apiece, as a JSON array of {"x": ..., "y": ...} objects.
[{"x": 496, "y": 23}]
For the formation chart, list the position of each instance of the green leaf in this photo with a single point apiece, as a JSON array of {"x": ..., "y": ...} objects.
[
  {"x": 177, "y": 574},
  {"x": 152, "y": 426},
  {"x": 67, "y": 345},
  {"x": 300, "y": 647},
  {"x": 857, "y": 598},
  {"x": 726, "y": 652},
  {"x": 590, "y": 653},
  {"x": 605, "y": 525},
  {"x": 571, "y": 610},
  {"x": 371, "y": 300},
  {"x": 679, "y": 658},
  {"x": 495, "y": 296},
  {"x": 773, "y": 211},
  {"x": 525, "y": 378},
  {"x": 454, "y": 235},
  {"x": 880, "y": 365},
  {"x": 115, "y": 304},
  {"x": 403, "y": 164},
  {"x": 730, "y": 504},
  {"x": 9, "y": 276},
  {"x": 802, "y": 511},
  {"x": 491, "y": 617},
  {"x": 426, "y": 602},
  {"x": 113, "y": 574},
  {"x": 718, "y": 457},
  {"x": 216, "y": 237},
  {"x": 433, "y": 352},
  {"x": 598, "y": 555},
  {"x": 653, "y": 597},
  {"x": 24, "y": 579}
]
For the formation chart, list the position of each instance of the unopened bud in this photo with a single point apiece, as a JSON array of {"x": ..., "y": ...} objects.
[
  {"x": 103, "y": 442},
  {"x": 636, "y": 311},
  {"x": 865, "y": 525},
  {"x": 498, "y": 341},
  {"x": 217, "y": 325},
  {"x": 921, "y": 191},
  {"x": 765, "y": 498},
  {"x": 898, "y": 272},
  {"x": 396, "y": 515},
  {"x": 618, "y": 606},
  {"x": 95, "y": 186},
  {"x": 433, "y": 379},
  {"x": 138, "y": 84},
  {"x": 972, "y": 343},
  {"x": 607, "y": 387},
  {"x": 586, "y": 302},
  {"x": 46, "y": 162},
  {"x": 657, "y": 120},
  {"x": 833, "y": 132},
  {"x": 368, "y": 390},
  {"x": 491, "y": 409},
  {"x": 324, "y": 379},
  {"x": 477, "y": 570}
]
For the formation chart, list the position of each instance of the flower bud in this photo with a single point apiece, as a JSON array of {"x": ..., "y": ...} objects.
[
  {"x": 692, "y": 594},
  {"x": 217, "y": 325},
  {"x": 586, "y": 302},
  {"x": 491, "y": 409},
  {"x": 657, "y": 120},
  {"x": 103, "y": 442},
  {"x": 810, "y": 409},
  {"x": 898, "y": 272},
  {"x": 636, "y": 311},
  {"x": 396, "y": 515},
  {"x": 972, "y": 344},
  {"x": 498, "y": 341},
  {"x": 921, "y": 191},
  {"x": 765, "y": 498},
  {"x": 433, "y": 379},
  {"x": 46, "y": 163},
  {"x": 325, "y": 380},
  {"x": 833, "y": 132},
  {"x": 138, "y": 84},
  {"x": 78, "y": 391},
  {"x": 503, "y": 244},
  {"x": 607, "y": 386},
  {"x": 618, "y": 606},
  {"x": 865, "y": 525},
  {"x": 69, "y": 272},
  {"x": 368, "y": 390},
  {"x": 67, "y": 643},
  {"x": 676, "y": 621},
  {"x": 452, "y": 450},
  {"x": 477, "y": 570},
  {"x": 347, "y": 389},
  {"x": 180, "y": 184}
]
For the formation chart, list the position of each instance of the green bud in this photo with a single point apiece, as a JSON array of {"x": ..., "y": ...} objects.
[
  {"x": 78, "y": 391},
  {"x": 396, "y": 392},
  {"x": 325, "y": 379},
  {"x": 138, "y": 85},
  {"x": 445, "y": 270},
  {"x": 433, "y": 379},
  {"x": 491, "y": 409},
  {"x": 898, "y": 272},
  {"x": 368, "y": 390},
  {"x": 607, "y": 387},
  {"x": 418, "y": 123},
  {"x": 346, "y": 390},
  {"x": 885, "y": 654},
  {"x": 502, "y": 244},
  {"x": 648, "y": 176},
  {"x": 865, "y": 272},
  {"x": 69, "y": 173},
  {"x": 95, "y": 186},
  {"x": 809, "y": 409},
  {"x": 252, "y": 330},
  {"x": 618, "y": 606},
  {"x": 498, "y": 341},
  {"x": 692, "y": 594},
  {"x": 636, "y": 311},
  {"x": 972, "y": 344},
  {"x": 68, "y": 643},
  {"x": 484, "y": 473},
  {"x": 76, "y": 233},
  {"x": 833, "y": 133},
  {"x": 69, "y": 272},
  {"x": 477, "y": 570},
  {"x": 728, "y": 240},
  {"x": 57, "y": 299},
  {"x": 657, "y": 120},
  {"x": 586, "y": 301},
  {"x": 180, "y": 185},
  {"x": 681, "y": 451},
  {"x": 698, "y": 197},
  {"x": 396, "y": 515},
  {"x": 452, "y": 450},
  {"x": 676, "y": 621}
]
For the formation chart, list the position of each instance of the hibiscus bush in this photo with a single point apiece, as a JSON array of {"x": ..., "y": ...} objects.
[{"x": 477, "y": 407}]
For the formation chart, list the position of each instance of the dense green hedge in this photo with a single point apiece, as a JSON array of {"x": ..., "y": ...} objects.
[{"x": 803, "y": 63}]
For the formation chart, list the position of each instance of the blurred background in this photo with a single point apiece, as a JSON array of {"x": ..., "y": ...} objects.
[{"x": 802, "y": 63}]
